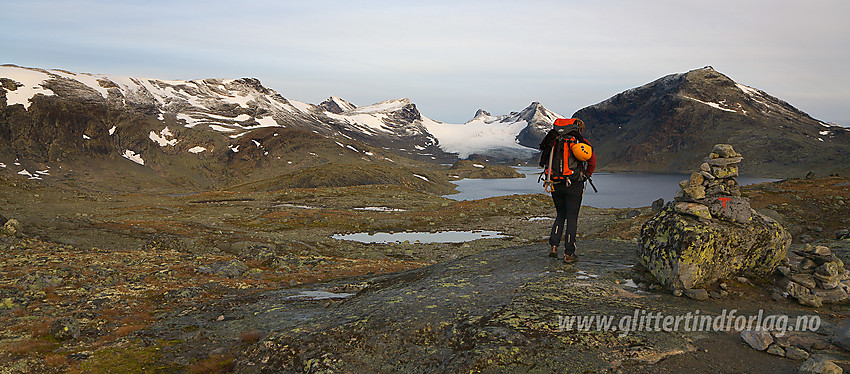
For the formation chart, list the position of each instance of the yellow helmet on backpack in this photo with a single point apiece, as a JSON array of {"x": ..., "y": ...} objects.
[{"x": 582, "y": 151}]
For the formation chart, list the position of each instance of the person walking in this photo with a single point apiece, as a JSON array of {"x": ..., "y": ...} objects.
[{"x": 568, "y": 161}]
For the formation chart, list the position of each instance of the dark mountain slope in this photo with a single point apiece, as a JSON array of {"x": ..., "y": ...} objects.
[{"x": 668, "y": 126}]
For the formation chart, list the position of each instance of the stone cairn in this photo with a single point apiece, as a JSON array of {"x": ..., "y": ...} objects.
[
  {"x": 819, "y": 278},
  {"x": 713, "y": 191},
  {"x": 709, "y": 232}
]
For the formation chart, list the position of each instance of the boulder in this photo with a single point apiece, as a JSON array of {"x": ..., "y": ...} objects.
[
  {"x": 776, "y": 350},
  {"x": 724, "y": 161},
  {"x": 11, "y": 228},
  {"x": 697, "y": 294},
  {"x": 697, "y": 179},
  {"x": 657, "y": 205},
  {"x": 65, "y": 328},
  {"x": 724, "y": 151},
  {"x": 820, "y": 365},
  {"x": 757, "y": 339},
  {"x": 693, "y": 209},
  {"x": 810, "y": 300},
  {"x": 695, "y": 192},
  {"x": 684, "y": 252},
  {"x": 728, "y": 171},
  {"x": 795, "y": 353}
]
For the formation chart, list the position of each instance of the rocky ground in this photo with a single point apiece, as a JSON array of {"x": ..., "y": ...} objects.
[{"x": 251, "y": 281}]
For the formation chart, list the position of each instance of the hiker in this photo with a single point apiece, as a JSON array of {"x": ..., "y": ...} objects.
[{"x": 566, "y": 180}]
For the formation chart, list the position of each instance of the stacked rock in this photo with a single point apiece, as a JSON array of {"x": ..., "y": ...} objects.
[
  {"x": 710, "y": 232},
  {"x": 713, "y": 191},
  {"x": 819, "y": 278}
]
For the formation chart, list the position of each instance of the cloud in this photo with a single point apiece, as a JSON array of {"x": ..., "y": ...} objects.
[{"x": 451, "y": 55}]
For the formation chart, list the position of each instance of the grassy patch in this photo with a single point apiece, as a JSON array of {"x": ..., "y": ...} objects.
[{"x": 129, "y": 359}]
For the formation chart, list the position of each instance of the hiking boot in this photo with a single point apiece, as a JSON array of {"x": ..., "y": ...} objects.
[
  {"x": 554, "y": 252},
  {"x": 569, "y": 259}
]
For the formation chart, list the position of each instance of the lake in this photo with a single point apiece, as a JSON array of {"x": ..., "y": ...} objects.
[{"x": 616, "y": 190}]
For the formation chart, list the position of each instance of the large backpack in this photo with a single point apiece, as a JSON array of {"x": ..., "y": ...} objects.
[{"x": 562, "y": 165}]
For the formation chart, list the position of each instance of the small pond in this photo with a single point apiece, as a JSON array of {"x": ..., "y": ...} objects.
[{"x": 421, "y": 237}]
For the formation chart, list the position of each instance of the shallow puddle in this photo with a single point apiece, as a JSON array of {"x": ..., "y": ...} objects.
[
  {"x": 582, "y": 275},
  {"x": 421, "y": 237},
  {"x": 320, "y": 295},
  {"x": 380, "y": 209}
]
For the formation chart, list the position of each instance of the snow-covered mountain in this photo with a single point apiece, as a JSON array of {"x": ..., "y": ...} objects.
[
  {"x": 235, "y": 107},
  {"x": 203, "y": 132},
  {"x": 496, "y": 136}
]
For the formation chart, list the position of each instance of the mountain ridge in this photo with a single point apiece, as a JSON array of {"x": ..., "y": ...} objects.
[
  {"x": 236, "y": 106},
  {"x": 659, "y": 127}
]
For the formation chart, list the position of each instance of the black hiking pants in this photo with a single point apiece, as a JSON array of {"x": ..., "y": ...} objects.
[{"x": 567, "y": 201}]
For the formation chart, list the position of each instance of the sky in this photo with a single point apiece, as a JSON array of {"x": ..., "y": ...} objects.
[{"x": 449, "y": 57}]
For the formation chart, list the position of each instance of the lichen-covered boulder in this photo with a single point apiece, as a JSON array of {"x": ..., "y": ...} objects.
[{"x": 683, "y": 251}]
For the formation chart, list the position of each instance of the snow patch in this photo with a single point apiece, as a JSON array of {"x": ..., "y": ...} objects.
[
  {"x": 133, "y": 156},
  {"x": 112, "y": 130},
  {"x": 267, "y": 121},
  {"x": 421, "y": 177},
  {"x": 197, "y": 149},
  {"x": 748, "y": 90},
  {"x": 26, "y": 173},
  {"x": 86, "y": 137},
  {"x": 190, "y": 121},
  {"x": 482, "y": 166},
  {"x": 32, "y": 85},
  {"x": 234, "y": 148},
  {"x": 713, "y": 105},
  {"x": 302, "y": 107},
  {"x": 220, "y": 128},
  {"x": 163, "y": 137}
]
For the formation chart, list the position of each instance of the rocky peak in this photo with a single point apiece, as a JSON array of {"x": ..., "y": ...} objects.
[
  {"x": 336, "y": 105},
  {"x": 539, "y": 121},
  {"x": 408, "y": 112},
  {"x": 481, "y": 113},
  {"x": 254, "y": 84}
]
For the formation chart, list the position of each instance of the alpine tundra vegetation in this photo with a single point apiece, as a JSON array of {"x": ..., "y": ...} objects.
[{"x": 156, "y": 225}]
